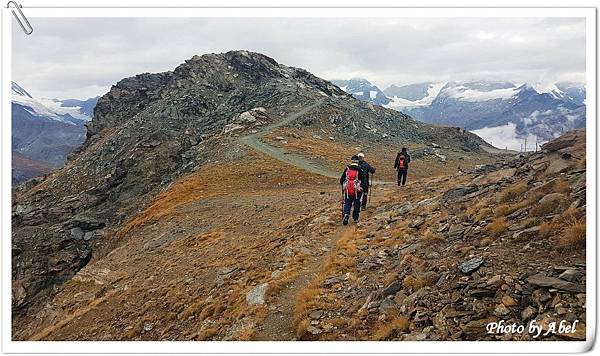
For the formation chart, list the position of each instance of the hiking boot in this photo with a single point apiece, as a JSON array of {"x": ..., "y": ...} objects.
[
  {"x": 345, "y": 220},
  {"x": 355, "y": 221}
]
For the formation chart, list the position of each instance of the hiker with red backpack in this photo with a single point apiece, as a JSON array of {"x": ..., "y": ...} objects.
[
  {"x": 401, "y": 164},
  {"x": 353, "y": 182}
]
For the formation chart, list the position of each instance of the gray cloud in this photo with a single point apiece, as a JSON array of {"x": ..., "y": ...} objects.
[{"x": 80, "y": 58}]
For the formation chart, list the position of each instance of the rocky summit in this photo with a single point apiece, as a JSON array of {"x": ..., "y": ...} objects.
[{"x": 204, "y": 205}]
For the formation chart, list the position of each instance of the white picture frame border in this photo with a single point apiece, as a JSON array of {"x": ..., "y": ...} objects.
[{"x": 346, "y": 347}]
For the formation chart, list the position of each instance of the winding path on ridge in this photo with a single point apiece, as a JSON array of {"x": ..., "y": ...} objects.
[
  {"x": 254, "y": 141},
  {"x": 279, "y": 323}
]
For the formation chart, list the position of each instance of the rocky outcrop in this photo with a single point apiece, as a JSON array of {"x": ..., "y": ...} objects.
[
  {"x": 480, "y": 253},
  {"x": 567, "y": 141}
]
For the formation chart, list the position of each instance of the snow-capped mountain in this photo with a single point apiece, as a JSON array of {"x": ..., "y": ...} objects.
[
  {"x": 68, "y": 111},
  {"x": 18, "y": 91},
  {"x": 503, "y": 113},
  {"x": 84, "y": 107},
  {"x": 362, "y": 89},
  {"x": 413, "y": 95},
  {"x": 411, "y": 92},
  {"x": 45, "y": 131},
  {"x": 517, "y": 110},
  {"x": 572, "y": 91}
]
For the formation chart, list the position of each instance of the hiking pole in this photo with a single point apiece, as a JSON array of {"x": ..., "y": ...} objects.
[
  {"x": 343, "y": 201},
  {"x": 371, "y": 188}
]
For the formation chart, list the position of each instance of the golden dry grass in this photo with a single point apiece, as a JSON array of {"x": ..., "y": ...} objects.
[
  {"x": 569, "y": 228},
  {"x": 483, "y": 214},
  {"x": 340, "y": 261},
  {"x": 390, "y": 277},
  {"x": 561, "y": 186},
  {"x": 520, "y": 196},
  {"x": 414, "y": 283},
  {"x": 480, "y": 209},
  {"x": 430, "y": 237},
  {"x": 531, "y": 222},
  {"x": 308, "y": 299},
  {"x": 390, "y": 329},
  {"x": 301, "y": 328},
  {"x": 497, "y": 227},
  {"x": 410, "y": 260},
  {"x": 509, "y": 208},
  {"x": 206, "y": 334},
  {"x": 287, "y": 275},
  {"x": 220, "y": 180},
  {"x": 192, "y": 309},
  {"x": 573, "y": 232},
  {"x": 573, "y": 235},
  {"x": 546, "y": 229},
  {"x": 514, "y": 192},
  {"x": 557, "y": 185},
  {"x": 190, "y": 303}
]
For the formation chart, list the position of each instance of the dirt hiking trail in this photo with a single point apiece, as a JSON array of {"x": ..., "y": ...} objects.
[
  {"x": 280, "y": 323},
  {"x": 254, "y": 141}
]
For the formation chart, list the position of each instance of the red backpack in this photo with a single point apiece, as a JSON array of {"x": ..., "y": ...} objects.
[
  {"x": 401, "y": 162},
  {"x": 352, "y": 183}
]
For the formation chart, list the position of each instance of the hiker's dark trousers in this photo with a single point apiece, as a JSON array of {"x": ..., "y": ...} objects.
[
  {"x": 351, "y": 202},
  {"x": 402, "y": 176}
]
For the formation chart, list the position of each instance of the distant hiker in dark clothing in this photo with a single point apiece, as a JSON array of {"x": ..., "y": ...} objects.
[
  {"x": 353, "y": 182},
  {"x": 367, "y": 169},
  {"x": 401, "y": 164}
]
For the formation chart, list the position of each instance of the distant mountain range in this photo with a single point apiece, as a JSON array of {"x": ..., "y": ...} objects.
[
  {"x": 503, "y": 113},
  {"x": 45, "y": 131},
  {"x": 362, "y": 89}
]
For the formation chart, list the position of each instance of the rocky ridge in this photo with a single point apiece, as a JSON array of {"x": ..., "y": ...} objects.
[{"x": 151, "y": 129}]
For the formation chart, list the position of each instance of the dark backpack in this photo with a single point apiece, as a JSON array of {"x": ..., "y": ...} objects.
[
  {"x": 402, "y": 162},
  {"x": 352, "y": 185}
]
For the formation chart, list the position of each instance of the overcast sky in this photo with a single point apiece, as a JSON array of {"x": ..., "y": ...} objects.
[{"x": 81, "y": 58}]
